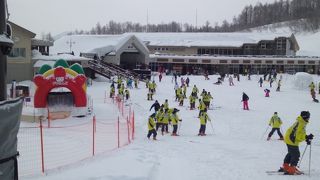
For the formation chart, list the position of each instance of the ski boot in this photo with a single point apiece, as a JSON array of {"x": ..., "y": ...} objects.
[{"x": 284, "y": 167}]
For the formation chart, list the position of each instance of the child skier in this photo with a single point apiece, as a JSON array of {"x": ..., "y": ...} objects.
[
  {"x": 192, "y": 102},
  {"x": 155, "y": 105},
  {"x": 174, "y": 120},
  {"x": 151, "y": 127},
  {"x": 260, "y": 81},
  {"x": 231, "y": 81},
  {"x": 267, "y": 92},
  {"x": 245, "y": 99},
  {"x": 275, "y": 122},
  {"x": 279, "y": 84},
  {"x": 165, "y": 121},
  {"x": 112, "y": 91},
  {"x": 127, "y": 93},
  {"x": 188, "y": 80},
  {"x": 294, "y": 135},
  {"x": 203, "y": 121}
]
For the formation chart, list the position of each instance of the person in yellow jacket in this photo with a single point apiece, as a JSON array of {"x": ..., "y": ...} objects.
[
  {"x": 159, "y": 117},
  {"x": 192, "y": 102},
  {"x": 204, "y": 118},
  {"x": 112, "y": 92},
  {"x": 151, "y": 127},
  {"x": 201, "y": 107},
  {"x": 174, "y": 120},
  {"x": 166, "y": 104},
  {"x": 275, "y": 122},
  {"x": 165, "y": 121},
  {"x": 293, "y": 137},
  {"x": 206, "y": 99}
]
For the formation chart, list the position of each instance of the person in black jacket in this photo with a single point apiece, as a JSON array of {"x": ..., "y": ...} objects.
[
  {"x": 156, "y": 106},
  {"x": 245, "y": 99}
]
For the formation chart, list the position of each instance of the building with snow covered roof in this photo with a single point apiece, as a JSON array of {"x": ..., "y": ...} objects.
[{"x": 200, "y": 52}]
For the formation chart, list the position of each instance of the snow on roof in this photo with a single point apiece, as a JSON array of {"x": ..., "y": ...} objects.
[
  {"x": 3, "y": 38},
  {"x": 206, "y": 39},
  {"x": 103, "y": 44},
  {"x": 67, "y": 57},
  {"x": 40, "y": 63}
]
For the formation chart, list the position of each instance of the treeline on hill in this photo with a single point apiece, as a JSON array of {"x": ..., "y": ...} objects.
[{"x": 251, "y": 16}]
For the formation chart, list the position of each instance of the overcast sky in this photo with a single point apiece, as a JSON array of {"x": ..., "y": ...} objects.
[{"x": 56, "y": 16}]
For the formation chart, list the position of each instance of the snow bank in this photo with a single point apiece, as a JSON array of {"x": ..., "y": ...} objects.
[{"x": 302, "y": 81}]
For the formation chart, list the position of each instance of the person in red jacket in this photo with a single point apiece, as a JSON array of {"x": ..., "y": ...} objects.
[{"x": 245, "y": 99}]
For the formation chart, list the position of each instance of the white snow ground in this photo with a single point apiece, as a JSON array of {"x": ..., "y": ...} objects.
[{"x": 233, "y": 149}]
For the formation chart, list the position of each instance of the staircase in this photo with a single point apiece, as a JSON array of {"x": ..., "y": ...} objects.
[{"x": 108, "y": 70}]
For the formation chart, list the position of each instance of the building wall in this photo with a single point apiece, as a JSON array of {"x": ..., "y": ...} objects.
[
  {"x": 20, "y": 68},
  {"x": 173, "y": 50}
]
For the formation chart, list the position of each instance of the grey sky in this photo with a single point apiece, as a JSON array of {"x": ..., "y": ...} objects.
[{"x": 57, "y": 16}]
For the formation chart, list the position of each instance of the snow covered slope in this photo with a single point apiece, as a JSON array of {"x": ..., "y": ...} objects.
[{"x": 235, "y": 148}]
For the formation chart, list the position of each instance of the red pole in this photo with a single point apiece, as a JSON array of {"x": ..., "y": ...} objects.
[
  {"x": 133, "y": 125},
  {"x": 42, "y": 150},
  {"x": 93, "y": 133},
  {"x": 130, "y": 113},
  {"x": 128, "y": 127},
  {"x": 118, "y": 132}
]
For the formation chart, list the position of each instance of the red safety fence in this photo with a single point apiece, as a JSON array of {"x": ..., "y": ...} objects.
[{"x": 45, "y": 146}]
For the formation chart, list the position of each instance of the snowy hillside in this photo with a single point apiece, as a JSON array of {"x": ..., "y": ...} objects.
[{"x": 234, "y": 149}]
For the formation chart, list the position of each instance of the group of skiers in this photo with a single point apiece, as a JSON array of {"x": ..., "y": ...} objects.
[{"x": 122, "y": 91}]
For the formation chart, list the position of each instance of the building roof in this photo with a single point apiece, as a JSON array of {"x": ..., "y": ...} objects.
[
  {"x": 108, "y": 43},
  {"x": 40, "y": 42},
  {"x": 31, "y": 34}
]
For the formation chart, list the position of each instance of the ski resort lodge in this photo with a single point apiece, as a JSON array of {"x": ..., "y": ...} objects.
[
  {"x": 196, "y": 53},
  {"x": 184, "y": 53}
]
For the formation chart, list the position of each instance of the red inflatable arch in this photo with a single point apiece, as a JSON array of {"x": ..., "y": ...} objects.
[{"x": 60, "y": 79}]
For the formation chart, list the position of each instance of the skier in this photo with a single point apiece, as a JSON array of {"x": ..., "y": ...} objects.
[
  {"x": 151, "y": 127},
  {"x": 150, "y": 94},
  {"x": 260, "y": 81},
  {"x": 174, "y": 120},
  {"x": 160, "y": 77},
  {"x": 231, "y": 81},
  {"x": 156, "y": 106},
  {"x": 312, "y": 92},
  {"x": 136, "y": 80},
  {"x": 271, "y": 81},
  {"x": 166, "y": 104},
  {"x": 181, "y": 99},
  {"x": 112, "y": 91},
  {"x": 275, "y": 122},
  {"x": 294, "y": 135},
  {"x": 245, "y": 99},
  {"x": 192, "y": 102},
  {"x": 206, "y": 99},
  {"x": 195, "y": 91},
  {"x": 127, "y": 93},
  {"x": 279, "y": 84},
  {"x": 188, "y": 80},
  {"x": 267, "y": 91},
  {"x": 203, "y": 121},
  {"x": 159, "y": 117},
  {"x": 202, "y": 107},
  {"x": 165, "y": 121}
]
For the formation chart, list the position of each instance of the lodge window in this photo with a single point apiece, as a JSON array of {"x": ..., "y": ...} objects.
[
  {"x": 311, "y": 62},
  {"x": 269, "y": 62},
  {"x": 263, "y": 45},
  {"x": 300, "y": 62},
  {"x": 18, "y": 53},
  {"x": 235, "y": 61},
  {"x": 162, "y": 60},
  {"x": 206, "y": 61},
  {"x": 290, "y": 62},
  {"x": 279, "y": 62},
  {"x": 178, "y": 60},
  {"x": 223, "y": 61},
  {"x": 246, "y": 61},
  {"x": 193, "y": 60},
  {"x": 257, "y": 61}
]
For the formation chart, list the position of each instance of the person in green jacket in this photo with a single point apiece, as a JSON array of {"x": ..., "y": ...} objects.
[
  {"x": 275, "y": 122},
  {"x": 293, "y": 137},
  {"x": 112, "y": 92},
  {"x": 192, "y": 102},
  {"x": 165, "y": 121},
  {"x": 151, "y": 127},
  {"x": 159, "y": 117},
  {"x": 203, "y": 121},
  {"x": 201, "y": 107}
]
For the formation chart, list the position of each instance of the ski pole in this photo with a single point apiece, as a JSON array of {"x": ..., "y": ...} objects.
[
  {"x": 302, "y": 155},
  {"x": 264, "y": 132},
  {"x": 310, "y": 160}
]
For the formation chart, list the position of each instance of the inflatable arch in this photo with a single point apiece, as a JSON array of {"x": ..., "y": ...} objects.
[{"x": 60, "y": 76}]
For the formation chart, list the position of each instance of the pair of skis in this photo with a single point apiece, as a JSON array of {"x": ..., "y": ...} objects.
[{"x": 282, "y": 173}]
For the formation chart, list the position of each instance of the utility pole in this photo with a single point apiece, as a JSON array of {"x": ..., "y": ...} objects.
[
  {"x": 70, "y": 42},
  {"x": 147, "y": 20},
  {"x": 196, "y": 19},
  {"x": 3, "y": 57}
]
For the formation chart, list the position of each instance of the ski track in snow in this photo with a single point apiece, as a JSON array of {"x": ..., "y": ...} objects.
[{"x": 232, "y": 150}]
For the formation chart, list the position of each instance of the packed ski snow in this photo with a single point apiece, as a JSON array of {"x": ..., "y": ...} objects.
[{"x": 235, "y": 147}]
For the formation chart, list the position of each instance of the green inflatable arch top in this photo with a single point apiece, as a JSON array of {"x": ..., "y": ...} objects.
[
  {"x": 77, "y": 68},
  {"x": 61, "y": 62},
  {"x": 44, "y": 68}
]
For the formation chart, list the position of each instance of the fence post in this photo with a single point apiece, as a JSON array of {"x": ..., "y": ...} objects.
[
  {"x": 48, "y": 118},
  {"x": 118, "y": 132},
  {"x": 128, "y": 127},
  {"x": 93, "y": 134},
  {"x": 41, "y": 144},
  {"x": 133, "y": 125}
]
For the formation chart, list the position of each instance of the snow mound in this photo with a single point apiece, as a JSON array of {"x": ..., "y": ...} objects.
[{"x": 302, "y": 80}]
